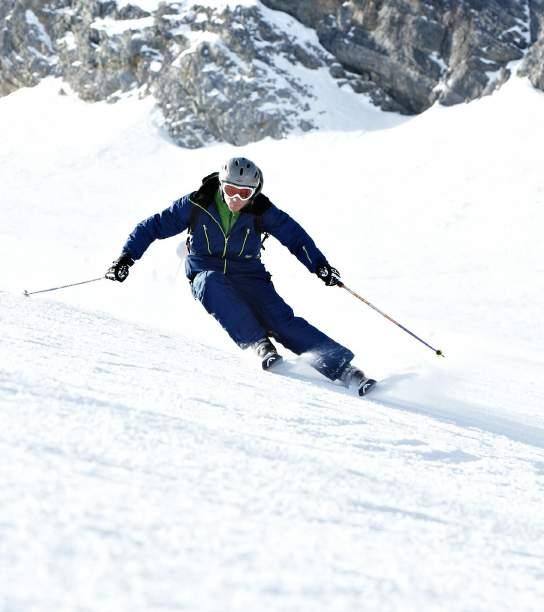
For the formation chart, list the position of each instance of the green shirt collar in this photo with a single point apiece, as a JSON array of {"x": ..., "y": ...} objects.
[{"x": 228, "y": 218}]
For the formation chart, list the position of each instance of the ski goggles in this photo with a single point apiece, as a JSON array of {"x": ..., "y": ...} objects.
[{"x": 244, "y": 193}]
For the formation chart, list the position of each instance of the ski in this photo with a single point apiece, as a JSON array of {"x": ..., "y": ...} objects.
[{"x": 359, "y": 386}]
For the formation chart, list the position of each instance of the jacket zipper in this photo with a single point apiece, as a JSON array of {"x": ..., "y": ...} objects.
[
  {"x": 244, "y": 243},
  {"x": 225, "y": 254},
  {"x": 207, "y": 239},
  {"x": 226, "y": 238}
]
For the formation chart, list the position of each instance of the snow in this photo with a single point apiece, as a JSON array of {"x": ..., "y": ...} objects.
[
  {"x": 69, "y": 40},
  {"x": 333, "y": 108},
  {"x": 114, "y": 26},
  {"x": 242, "y": 491},
  {"x": 148, "y": 464}
]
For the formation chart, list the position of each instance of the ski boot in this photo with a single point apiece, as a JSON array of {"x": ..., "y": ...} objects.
[
  {"x": 353, "y": 378},
  {"x": 267, "y": 352}
]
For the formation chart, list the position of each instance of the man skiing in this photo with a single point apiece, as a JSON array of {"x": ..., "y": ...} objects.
[{"x": 225, "y": 219}]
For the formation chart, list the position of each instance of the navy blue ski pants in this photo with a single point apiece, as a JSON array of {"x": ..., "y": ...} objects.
[{"x": 249, "y": 309}]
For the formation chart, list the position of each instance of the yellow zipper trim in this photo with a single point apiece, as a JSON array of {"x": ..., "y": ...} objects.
[
  {"x": 304, "y": 249},
  {"x": 207, "y": 239},
  {"x": 210, "y": 214},
  {"x": 222, "y": 231},
  {"x": 244, "y": 243},
  {"x": 224, "y": 256}
]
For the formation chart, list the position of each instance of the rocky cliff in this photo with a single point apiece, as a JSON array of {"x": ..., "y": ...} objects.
[
  {"x": 237, "y": 72},
  {"x": 420, "y": 51}
]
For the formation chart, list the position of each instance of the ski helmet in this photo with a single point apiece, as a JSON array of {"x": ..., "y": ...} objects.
[{"x": 241, "y": 171}]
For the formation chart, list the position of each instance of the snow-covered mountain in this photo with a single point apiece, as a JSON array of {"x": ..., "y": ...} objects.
[
  {"x": 240, "y": 71},
  {"x": 148, "y": 464},
  {"x": 420, "y": 52}
]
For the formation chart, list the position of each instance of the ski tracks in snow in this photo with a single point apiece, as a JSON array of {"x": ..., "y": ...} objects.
[{"x": 142, "y": 471}]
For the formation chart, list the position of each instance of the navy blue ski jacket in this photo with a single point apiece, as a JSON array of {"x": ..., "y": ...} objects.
[{"x": 210, "y": 248}]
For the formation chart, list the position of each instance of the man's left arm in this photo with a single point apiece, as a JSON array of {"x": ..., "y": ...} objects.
[{"x": 292, "y": 235}]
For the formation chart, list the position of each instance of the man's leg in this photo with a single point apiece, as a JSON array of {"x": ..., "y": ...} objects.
[
  {"x": 220, "y": 298},
  {"x": 295, "y": 333}
]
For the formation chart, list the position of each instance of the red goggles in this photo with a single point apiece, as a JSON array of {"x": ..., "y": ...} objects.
[{"x": 244, "y": 193}]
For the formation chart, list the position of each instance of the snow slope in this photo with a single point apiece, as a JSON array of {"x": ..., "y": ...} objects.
[
  {"x": 148, "y": 464},
  {"x": 142, "y": 472}
]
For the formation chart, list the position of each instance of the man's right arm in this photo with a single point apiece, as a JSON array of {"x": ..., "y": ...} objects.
[{"x": 169, "y": 222}]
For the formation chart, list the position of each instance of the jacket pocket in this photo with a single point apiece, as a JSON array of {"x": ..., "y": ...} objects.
[
  {"x": 205, "y": 228},
  {"x": 244, "y": 242}
]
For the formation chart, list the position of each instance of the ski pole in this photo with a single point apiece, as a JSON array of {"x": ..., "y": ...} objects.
[
  {"x": 359, "y": 297},
  {"x": 93, "y": 280}
]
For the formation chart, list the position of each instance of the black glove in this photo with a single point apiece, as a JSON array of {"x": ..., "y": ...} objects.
[
  {"x": 329, "y": 275},
  {"x": 119, "y": 268}
]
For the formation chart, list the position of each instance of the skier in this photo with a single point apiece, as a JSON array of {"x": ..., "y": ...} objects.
[{"x": 226, "y": 218}]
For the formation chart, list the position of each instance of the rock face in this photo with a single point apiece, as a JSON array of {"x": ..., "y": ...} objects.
[
  {"x": 420, "y": 51},
  {"x": 533, "y": 65},
  {"x": 232, "y": 76},
  {"x": 217, "y": 75},
  {"x": 27, "y": 51},
  {"x": 238, "y": 73}
]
